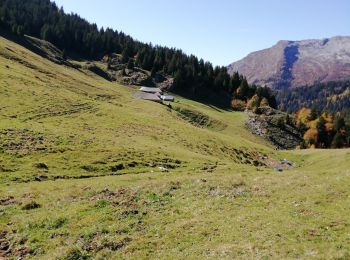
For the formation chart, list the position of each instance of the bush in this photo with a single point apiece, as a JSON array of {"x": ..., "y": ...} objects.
[
  {"x": 41, "y": 166},
  {"x": 253, "y": 103},
  {"x": 238, "y": 105},
  {"x": 280, "y": 122},
  {"x": 264, "y": 103},
  {"x": 117, "y": 167},
  {"x": 31, "y": 205}
]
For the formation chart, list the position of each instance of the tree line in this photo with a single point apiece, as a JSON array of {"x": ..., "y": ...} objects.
[
  {"x": 192, "y": 76},
  {"x": 330, "y": 96}
]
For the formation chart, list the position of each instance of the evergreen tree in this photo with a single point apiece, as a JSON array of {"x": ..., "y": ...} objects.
[
  {"x": 64, "y": 54},
  {"x": 313, "y": 114},
  {"x": 130, "y": 64},
  {"x": 338, "y": 141},
  {"x": 20, "y": 30},
  {"x": 243, "y": 89},
  {"x": 235, "y": 81},
  {"x": 339, "y": 124},
  {"x": 125, "y": 55},
  {"x": 153, "y": 71},
  {"x": 322, "y": 133}
]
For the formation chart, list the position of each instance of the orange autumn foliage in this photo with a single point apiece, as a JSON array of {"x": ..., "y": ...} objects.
[
  {"x": 329, "y": 118},
  {"x": 310, "y": 136},
  {"x": 238, "y": 105},
  {"x": 319, "y": 129},
  {"x": 312, "y": 146},
  {"x": 329, "y": 127}
]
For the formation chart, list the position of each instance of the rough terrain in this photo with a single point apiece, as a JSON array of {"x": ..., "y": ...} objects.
[
  {"x": 89, "y": 172},
  {"x": 272, "y": 124}
]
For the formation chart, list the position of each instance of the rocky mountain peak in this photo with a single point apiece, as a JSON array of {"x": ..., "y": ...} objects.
[{"x": 297, "y": 63}]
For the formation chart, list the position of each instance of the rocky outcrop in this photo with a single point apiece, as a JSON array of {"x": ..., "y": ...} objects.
[
  {"x": 297, "y": 63},
  {"x": 275, "y": 126},
  {"x": 167, "y": 84},
  {"x": 118, "y": 71},
  {"x": 138, "y": 78}
]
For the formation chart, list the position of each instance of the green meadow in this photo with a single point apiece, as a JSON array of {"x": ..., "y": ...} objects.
[{"x": 89, "y": 172}]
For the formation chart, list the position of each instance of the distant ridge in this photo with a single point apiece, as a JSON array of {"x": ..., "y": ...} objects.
[{"x": 297, "y": 63}]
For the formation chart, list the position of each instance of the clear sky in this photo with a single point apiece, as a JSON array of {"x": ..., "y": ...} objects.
[{"x": 219, "y": 31}]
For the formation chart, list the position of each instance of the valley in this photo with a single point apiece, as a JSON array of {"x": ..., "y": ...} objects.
[
  {"x": 87, "y": 171},
  {"x": 229, "y": 162}
]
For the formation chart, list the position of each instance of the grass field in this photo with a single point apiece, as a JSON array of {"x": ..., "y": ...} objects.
[{"x": 81, "y": 176}]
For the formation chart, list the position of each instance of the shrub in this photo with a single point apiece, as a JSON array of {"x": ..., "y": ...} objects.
[
  {"x": 117, "y": 167},
  {"x": 253, "y": 103},
  {"x": 41, "y": 166},
  {"x": 238, "y": 105},
  {"x": 264, "y": 103},
  {"x": 31, "y": 205}
]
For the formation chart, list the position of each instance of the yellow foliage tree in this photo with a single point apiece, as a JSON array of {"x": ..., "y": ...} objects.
[
  {"x": 264, "y": 103},
  {"x": 254, "y": 102},
  {"x": 310, "y": 137},
  {"x": 302, "y": 115},
  {"x": 329, "y": 118},
  {"x": 238, "y": 105}
]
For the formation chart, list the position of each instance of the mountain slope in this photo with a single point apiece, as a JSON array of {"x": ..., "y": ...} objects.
[
  {"x": 39, "y": 96},
  {"x": 82, "y": 176},
  {"x": 297, "y": 63},
  {"x": 331, "y": 96},
  {"x": 75, "y": 36}
]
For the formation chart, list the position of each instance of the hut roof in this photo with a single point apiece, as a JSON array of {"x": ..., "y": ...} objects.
[
  {"x": 151, "y": 90},
  {"x": 167, "y": 98},
  {"x": 147, "y": 96}
]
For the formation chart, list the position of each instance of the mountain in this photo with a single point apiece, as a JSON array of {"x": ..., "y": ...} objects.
[{"x": 297, "y": 63}]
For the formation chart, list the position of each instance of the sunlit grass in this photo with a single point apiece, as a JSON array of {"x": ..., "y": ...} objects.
[{"x": 80, "y": 175}]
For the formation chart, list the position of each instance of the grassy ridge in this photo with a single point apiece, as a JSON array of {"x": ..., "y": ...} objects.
[
  {"x": 80, "y": 176},
  {"x": 73, "y": 120}
]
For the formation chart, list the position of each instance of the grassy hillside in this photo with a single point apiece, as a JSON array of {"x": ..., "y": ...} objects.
[{"x": 82, "y": 174}]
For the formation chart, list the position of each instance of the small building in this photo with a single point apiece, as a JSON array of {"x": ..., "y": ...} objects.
[
  {"x": 148, "y": 96},
  {"x": 151, "y": 90},
  {"x": 167, "y": 98},
  {"x": 152, "y": 94}
]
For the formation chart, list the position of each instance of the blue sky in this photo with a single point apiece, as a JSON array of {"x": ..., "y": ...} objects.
[{"x": 220, "y": 31}]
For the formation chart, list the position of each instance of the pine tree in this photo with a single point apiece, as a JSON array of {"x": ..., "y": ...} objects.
[
  {"x": 153, "y": 72},
  {"x": 20, "y": 30},
  {"x": 339, "y": 124},
  {"x": 130, "y": 64},
  {"x": 313, "y": 114},
  {"x": 243, "y": 89},
  {"x": 126, "y": 55},
  {"x": 235, "y": 81},
  {"x": 64, "y": 54},
  {"x": 338, "y": 141},
  {"x": 322, "y": 133}
]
